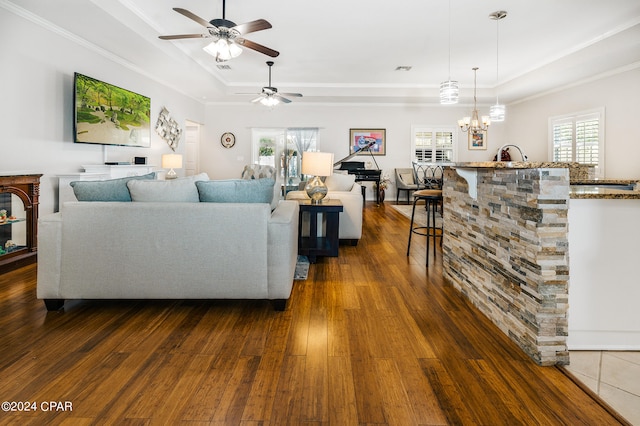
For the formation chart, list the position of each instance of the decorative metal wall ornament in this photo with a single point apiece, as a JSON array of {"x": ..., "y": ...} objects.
[{"x": 168, "y": 129}]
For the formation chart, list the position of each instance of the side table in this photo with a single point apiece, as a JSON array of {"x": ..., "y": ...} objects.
[{"x": 315, "y": 245}]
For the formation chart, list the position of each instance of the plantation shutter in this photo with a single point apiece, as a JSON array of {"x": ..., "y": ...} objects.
[
  {"x": 563, "y": 141},
  {"x": 433, "y": 145},
  {"x": 580, "y": 138},
  {"x": 588, "y": 139},
  {"x": 444, "y": 147},
  {"x": 424, "y": 146}
]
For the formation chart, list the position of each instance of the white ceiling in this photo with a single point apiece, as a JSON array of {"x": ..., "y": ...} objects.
[{"x": 347, "y": 51}]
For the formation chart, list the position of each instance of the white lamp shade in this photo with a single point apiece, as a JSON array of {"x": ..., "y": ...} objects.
[
  {"x": 497, "y": 112},
  {"x": 449, "y": 92},
  {"x": 317, "y": 163},
  {"x": 172, "y": 161}
]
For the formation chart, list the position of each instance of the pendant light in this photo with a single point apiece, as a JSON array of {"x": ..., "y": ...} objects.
[
  {"x": 449, "y": 90},
  {"x": 497, "y": 111}
]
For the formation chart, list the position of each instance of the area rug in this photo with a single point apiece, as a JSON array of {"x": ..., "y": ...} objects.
[
  {"x": 302, "y": 268},
  {"x": 420, "y": 217}
]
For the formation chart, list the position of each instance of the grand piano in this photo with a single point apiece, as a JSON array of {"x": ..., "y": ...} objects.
[{"x": 362, "y": 174}]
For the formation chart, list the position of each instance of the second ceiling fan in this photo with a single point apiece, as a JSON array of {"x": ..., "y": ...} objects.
[
  {"x": 227, "y": 36},
  {"x": 270, "y": 95}
]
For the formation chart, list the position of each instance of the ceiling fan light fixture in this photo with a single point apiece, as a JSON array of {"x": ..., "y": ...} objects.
[
  {"x": 223, "y": 49},
  {"x": 449, "y": 92},
  {"x": 269, "y": 101}
]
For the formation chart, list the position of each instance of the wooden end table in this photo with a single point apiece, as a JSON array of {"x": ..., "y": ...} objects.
[{"x": 314, "y": 245}]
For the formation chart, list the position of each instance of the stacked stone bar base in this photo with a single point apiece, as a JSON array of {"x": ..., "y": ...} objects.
[{"x": 507, "y": 252}]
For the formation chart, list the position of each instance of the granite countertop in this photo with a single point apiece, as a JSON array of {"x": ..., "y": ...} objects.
[
  {"x": 581, "y": 186},
  {"x": 579, "y": 192},
  {"x": 596, "y": 181},
  {"x": 514, "y": 165},
  {"x": 596, "y": 188}
]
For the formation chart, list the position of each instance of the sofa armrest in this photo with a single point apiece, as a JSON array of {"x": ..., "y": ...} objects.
[
  {"x": 282, "y": 248},
  {"x": 49, "y": 256},
  {"x": 351, "y": 217}
]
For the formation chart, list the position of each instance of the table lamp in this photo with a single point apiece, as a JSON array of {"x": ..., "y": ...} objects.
[
  {"x": 171, "y": 161},
  {"x": 317, "y": 164}
]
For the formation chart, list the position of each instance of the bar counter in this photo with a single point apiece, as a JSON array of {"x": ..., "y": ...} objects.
[{"x": 506, "y": 247}]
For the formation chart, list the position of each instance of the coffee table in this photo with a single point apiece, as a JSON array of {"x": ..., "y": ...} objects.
[{"x": 315, "y": 244}]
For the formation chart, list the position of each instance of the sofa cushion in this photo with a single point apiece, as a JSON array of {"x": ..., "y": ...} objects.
[
  {"x": 236, "y": 191},
  {"x": 257, "y": 171},
  {"x": 106, "y": 190},
  {"x": 340, "y": 182},
  {"x": 181, "y": 190},
  {"x": 407, "y": 178}
]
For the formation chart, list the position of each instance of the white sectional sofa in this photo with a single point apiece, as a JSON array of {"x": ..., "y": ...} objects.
[
  {"x": 342, "y": 187},
  {"x": 167, "y": 250}
]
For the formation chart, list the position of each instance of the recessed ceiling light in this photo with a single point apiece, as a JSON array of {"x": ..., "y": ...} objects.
[
  {"x": 403, "y": 68},
  {"x": 223, "y": 67}
]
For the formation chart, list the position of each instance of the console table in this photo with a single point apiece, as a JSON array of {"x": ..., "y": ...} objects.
[
  {"x": 315, "y": 244},
  {"x": 19, "y": 196}
]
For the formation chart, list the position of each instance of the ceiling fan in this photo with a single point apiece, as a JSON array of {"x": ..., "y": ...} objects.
[
  {"x": 270, "y": 95},
  {"x": 227, "y": 36}
]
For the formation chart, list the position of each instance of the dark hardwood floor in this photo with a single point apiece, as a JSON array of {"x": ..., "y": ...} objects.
[{"x": 371, "y": 337}]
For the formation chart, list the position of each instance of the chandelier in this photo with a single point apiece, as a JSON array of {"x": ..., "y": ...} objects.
[
  {"x": 473, "y": 124},
  {"x": 497, "y": 111}
]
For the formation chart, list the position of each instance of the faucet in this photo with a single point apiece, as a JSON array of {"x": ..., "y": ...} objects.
[{"x": 499, "y": 155}]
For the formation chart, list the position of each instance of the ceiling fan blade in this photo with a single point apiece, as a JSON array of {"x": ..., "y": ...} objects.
[
  {"x": 258, "y": 99},
  {"x": 295, "y": 95},
  {"x": 253, "y": 26},
  {"x": 192, "y": 16},
  {"x": 257, "y": 47},
  {"x": 179, "y": 36},
  {"x": 282, "y": 99}
]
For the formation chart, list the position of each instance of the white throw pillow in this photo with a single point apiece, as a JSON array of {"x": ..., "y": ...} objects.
[
  {"x": 181, "y": 190},
  {"x": 340, "y": 182}
]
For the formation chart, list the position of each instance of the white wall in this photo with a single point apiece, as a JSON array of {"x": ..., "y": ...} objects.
[
  {"x": 527, "y": 122},
  {"x": 36, "y": 110},
  {"x": 334, "y": 122},
  {"x": 37, "y": 132}
]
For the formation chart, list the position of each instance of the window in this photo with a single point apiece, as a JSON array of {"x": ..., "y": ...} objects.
[
  {"x": 432, "y": 144},
  {"x": 579, "y": 137},
  {"x": 282, "y": 148}
]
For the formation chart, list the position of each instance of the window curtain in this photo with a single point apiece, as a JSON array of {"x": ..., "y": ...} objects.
[{"x": 304, "y": 139}]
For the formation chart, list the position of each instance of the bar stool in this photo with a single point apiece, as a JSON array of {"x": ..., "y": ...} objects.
[
  {"x": 432, "y": 199},
  {"x": 429, "y": 179}
]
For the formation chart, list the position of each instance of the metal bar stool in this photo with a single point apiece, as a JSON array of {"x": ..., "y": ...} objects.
[{"x": 430, "y": 179}]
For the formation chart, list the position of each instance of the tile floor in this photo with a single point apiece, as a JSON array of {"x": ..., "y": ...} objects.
[{"x": 614, "y": 376}]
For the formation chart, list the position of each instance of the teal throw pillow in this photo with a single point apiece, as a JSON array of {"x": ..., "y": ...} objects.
[
  {"x": 236, "y": 191},
  {"x": 105, "y": 190}
]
